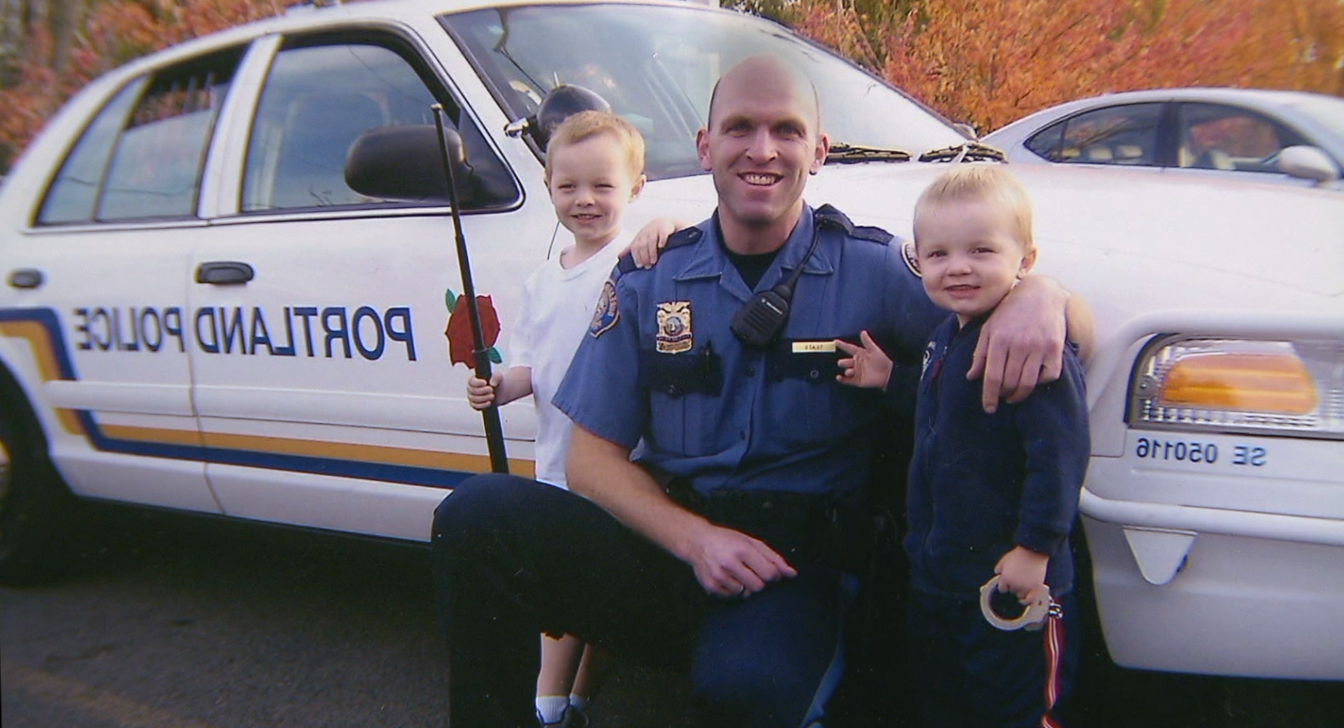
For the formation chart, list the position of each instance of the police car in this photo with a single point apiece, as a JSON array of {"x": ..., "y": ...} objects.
[{"x": 199, "y": 312}]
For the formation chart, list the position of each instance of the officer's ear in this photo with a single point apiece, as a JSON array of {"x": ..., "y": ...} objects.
[
  {"x": 702, "y": 149},
  {"x": 819, "y": 154}
]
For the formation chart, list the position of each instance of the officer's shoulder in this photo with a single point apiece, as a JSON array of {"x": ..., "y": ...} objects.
[
  {"x": 679, "y": 239},
  {"x": 829, "y": 216}
]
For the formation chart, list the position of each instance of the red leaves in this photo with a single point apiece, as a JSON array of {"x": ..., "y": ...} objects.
[{"x": 989, "y": 63}]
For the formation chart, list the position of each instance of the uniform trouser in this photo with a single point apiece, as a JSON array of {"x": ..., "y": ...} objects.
[
  {"x": 513, "y": 557},
  {"x": 969, "y": 673}
]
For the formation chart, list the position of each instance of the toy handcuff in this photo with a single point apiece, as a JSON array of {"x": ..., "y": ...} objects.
[{"x": 1033, "y": 618}]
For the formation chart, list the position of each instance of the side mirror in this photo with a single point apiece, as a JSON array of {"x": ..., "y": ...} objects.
[
  {"x": 560, "y": 103},
  {"x": 1307, "y": 162},
  {"x": 404, "y": 163}
]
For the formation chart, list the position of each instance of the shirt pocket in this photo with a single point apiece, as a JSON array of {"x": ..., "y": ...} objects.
[
  {"x": 805, "y": 402},
  {"x": 684, "y": 398}
]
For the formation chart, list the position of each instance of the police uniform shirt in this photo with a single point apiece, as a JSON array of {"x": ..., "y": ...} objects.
[{"x": 660, "y": 364}]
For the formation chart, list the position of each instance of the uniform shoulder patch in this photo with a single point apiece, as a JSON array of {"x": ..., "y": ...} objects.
[
  {"x": 908, "y": 255},
  {"x": 606, "y": 314}
]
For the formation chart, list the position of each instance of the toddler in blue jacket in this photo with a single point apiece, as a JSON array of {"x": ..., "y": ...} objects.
[{"x": 988, "y": 493}]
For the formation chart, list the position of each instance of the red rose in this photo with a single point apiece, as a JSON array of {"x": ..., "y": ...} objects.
[{"x": 460, "y": 342}]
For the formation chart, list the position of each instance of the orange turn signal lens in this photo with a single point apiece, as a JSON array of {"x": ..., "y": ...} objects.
[{"x": 1267, "y": 383}]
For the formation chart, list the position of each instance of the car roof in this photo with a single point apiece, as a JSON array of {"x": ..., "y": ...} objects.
[{"x": 1276, "y": 102}]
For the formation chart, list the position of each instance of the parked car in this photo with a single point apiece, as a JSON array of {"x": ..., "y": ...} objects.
[
  {"x": 1280, "y": 136},
  {"x": 200, "y": 313}
]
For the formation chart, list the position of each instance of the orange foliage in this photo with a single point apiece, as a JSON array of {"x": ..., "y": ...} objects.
[
  {"x": 115, "y": 31},
  {"x": 988, "y": 63}
]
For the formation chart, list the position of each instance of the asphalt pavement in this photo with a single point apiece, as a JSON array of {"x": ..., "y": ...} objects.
[{"x": 168, "y": 621}]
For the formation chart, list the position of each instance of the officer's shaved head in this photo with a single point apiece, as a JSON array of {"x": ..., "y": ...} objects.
[{"x": 769, "y": 73}]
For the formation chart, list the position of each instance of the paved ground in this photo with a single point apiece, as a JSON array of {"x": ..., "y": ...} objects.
[{"x": 173, "y": 622}]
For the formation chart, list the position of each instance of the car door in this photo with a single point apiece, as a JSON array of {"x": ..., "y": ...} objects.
[
  {"x": 104, "y": 308},
  {"x": 323, "y": 382},
  {"x": 1218, "y": 138}
]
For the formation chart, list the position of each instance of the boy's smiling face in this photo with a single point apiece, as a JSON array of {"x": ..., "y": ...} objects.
[
  {"x": 970, "y": 255},
  {"x": 591, "y": 183}
]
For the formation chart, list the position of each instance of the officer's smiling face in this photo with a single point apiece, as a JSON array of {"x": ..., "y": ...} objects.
[{"x": 762, "y": 143}]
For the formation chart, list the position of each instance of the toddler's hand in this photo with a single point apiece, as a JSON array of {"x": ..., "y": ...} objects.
[
  {"x": 866, "y": 366},
  {"x": 480, "y": 393},
  {"x": 1022, "y": 572}
]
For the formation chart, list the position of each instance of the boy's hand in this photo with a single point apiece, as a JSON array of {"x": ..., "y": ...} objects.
[
  {"x": 866, "y": 366},
  {"x": 480, "y": 393},
  {"x": 1022, "y": 572},
  {"x": 652, "y": 238}
]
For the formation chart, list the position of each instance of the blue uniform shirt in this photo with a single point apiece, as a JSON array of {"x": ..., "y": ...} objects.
[
  {"x": 661, "y": 366},
  {"x": 980, "y": 483}
]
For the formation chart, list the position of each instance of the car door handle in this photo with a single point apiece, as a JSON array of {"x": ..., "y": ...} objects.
[
  {"x": 25, "y": 278},
  {"x": 224, "y": 273}
]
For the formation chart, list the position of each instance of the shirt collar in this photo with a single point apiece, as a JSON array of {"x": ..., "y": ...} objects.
[{"x": 709, "y": 260}]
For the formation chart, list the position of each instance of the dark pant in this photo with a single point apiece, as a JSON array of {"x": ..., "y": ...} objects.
[
  {"x": 513, "y": 557},
  {"x": 969, "y": 673}
]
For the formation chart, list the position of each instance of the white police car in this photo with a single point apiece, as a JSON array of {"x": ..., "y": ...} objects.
[{"x": 199, "y": 313}]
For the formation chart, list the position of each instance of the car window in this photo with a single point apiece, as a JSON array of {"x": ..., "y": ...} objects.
[
  {"x": 657, "y": 65},
  {"x": 1213, "y": 136},
  {"x": 141, "y": 156},
  {"x": 1125, "y": 135},
  {"x": 318, "y": 98}
]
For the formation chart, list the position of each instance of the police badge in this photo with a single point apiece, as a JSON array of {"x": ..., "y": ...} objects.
[{"x": 674, "y": 327}]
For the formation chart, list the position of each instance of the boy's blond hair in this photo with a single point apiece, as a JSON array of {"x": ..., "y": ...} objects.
[
  {"x": 980, "y": 182},
  {"x": 587, "y": 124}
]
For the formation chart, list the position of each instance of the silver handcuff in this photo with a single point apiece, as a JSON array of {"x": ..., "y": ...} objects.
[{"x": 1031, "y": 619}]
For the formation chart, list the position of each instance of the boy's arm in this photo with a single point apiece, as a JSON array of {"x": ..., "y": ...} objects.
[
  {"x": 1053, "y": 426},
  {"x": 1021, "y": 343}
]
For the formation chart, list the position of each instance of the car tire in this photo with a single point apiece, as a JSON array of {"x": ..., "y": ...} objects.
[{"x": 34, "y": 503}]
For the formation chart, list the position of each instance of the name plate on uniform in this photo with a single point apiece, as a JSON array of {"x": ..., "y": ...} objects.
[{"x": 814, "y": 347}]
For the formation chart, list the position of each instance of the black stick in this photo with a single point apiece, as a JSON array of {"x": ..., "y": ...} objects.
[{"x": 494, "y": 431}]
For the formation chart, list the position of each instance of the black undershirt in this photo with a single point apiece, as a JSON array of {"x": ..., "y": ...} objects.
[{"x": 750, "y": 266}]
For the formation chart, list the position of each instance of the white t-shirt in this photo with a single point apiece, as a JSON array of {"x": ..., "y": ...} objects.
[{"x": 557, "y": 309}]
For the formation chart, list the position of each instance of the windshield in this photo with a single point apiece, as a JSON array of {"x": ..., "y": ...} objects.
[{"x": 656, "y": 66}]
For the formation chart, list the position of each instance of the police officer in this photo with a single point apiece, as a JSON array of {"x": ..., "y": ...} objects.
[{"x": 719, "y": 548}]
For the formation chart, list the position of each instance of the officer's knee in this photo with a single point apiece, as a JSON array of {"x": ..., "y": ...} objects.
[{"x": 478, "y": 504}]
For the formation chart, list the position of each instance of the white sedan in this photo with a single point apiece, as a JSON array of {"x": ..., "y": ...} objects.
[{"x": 1282, "y": 136}]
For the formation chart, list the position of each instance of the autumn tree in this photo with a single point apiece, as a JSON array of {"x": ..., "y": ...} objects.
[
  {"x": 38, "y": 78},
  {"x": 988, "y": 63}
]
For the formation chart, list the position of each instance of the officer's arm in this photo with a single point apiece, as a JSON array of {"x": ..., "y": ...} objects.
[
  {"x": 1021, "y": 343},
  {"x": 727, "y": 563}
]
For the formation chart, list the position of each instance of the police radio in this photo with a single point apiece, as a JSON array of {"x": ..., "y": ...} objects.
[{"x": 759, "y": 322}]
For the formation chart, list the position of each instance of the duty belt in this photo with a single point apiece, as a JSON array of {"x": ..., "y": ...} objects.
[{"x": 804, "y": 528}]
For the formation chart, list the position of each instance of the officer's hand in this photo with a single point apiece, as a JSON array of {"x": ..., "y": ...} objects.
[
  {"x": 866, "y": 366},
  {"x": 480, "y": 393},
  {"x": 652, "y": 238},
  {"x": 733, "y": 565},
  {"x": 1022, "y": 343}
]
